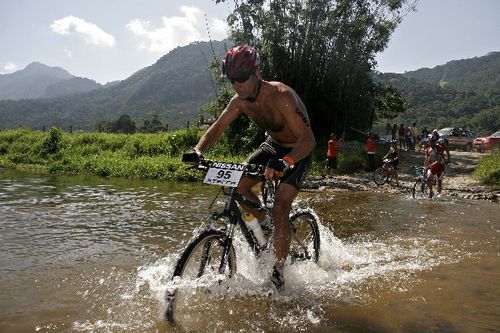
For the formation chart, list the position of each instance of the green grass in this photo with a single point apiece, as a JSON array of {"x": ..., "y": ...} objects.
[
  {"x": 143, "y": 156},
  {"x": 488, "y": 170},
  {"x": 147, "y": 156}
]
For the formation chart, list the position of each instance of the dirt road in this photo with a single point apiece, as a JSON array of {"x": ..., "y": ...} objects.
[{"x": 458, "y": 181}]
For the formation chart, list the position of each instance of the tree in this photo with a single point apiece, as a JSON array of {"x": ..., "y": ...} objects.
[
  {"x": 152, "y": 125},
  {"x": 488, "y": 120},
  {"x": 324, "y": 49},
  {"x": 389, "y": 101},
  {"x": 124, "y": 124},
  {"x": 103, "y": 126}
]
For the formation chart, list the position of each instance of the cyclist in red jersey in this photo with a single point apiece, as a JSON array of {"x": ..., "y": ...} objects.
[{"x": 435, "y": 164}]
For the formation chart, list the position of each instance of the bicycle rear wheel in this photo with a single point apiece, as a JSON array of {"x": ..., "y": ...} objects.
[
  {"x": 380, "y": 176},
  {"x": 305, "y": 242},
  {"x": 209, "y": 253},
  {"x": 420, "y": 189}
]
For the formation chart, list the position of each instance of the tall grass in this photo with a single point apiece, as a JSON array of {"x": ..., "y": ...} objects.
[
  {"x": 150, "y": 156},
  {"x": 488, "y": 170},
  {"x": 109, "y": 155}
]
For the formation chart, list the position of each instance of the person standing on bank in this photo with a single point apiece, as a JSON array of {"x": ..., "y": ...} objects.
[
  {"x": 371, "y": 149},
  {"x": 286, "y": 152},
  {"x": 331, "y": 154}
]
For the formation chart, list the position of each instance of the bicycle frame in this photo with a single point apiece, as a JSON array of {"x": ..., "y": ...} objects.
[
  {"x": 212, "y": 250},
  {"x": 233, "y": 213},
  {"x": 389, "y": 168}
]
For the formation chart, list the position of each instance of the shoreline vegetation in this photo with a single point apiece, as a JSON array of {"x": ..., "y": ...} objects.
[{"x": 157, "y": 156}]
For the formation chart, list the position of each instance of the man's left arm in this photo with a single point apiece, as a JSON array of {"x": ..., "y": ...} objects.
[{"x": 297, "y": 120}]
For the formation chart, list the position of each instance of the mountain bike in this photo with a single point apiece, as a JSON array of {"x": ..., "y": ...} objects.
[
  {"x": 420, "y": 188},
  {"x": 385, "y": 174},
  {"x": 211, "y": 250}
]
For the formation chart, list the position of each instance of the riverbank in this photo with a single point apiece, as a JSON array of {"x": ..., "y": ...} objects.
[
  {"x": 157, "y": 156},
  {"x": 458, "y": 181}
]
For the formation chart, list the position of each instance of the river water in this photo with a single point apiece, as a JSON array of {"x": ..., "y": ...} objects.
[{"x": 85, "y": 254}]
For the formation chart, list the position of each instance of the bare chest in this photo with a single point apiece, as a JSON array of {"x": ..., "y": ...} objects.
[{"x": 267, "y": 118}]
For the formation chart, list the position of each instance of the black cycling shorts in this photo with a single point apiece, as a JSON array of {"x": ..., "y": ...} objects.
[{"x": 269, "y": 150}]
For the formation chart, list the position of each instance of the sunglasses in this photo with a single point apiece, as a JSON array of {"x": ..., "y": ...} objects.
[{"x": 240, "y": 79}]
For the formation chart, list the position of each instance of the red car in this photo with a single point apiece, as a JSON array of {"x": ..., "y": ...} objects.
[
  {"x": 457, "y": 137},
  {"x": 490, "y": 142}
]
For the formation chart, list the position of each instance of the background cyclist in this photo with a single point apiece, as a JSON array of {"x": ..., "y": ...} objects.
[
  {"x": 393, "y": 157},
  {"x": 435, "y": 164}
]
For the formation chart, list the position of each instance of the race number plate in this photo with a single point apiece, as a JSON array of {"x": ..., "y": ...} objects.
[{"x": 224, "y": 174}]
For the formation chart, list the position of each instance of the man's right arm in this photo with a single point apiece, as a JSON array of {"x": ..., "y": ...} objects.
[{"x": 230, "y": 113}]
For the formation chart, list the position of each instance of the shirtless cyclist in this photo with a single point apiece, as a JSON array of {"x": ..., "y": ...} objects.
[{"x": 286, "y": 152}]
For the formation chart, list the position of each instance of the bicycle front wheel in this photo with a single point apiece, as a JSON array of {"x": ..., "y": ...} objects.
[
  {"x": 305, "y": 237},
  {"x": 420, "y": 189},
  {"x": 268, "y": 189},
  {"x": 209, "y": 253},
  {"x": 380, "y": 176}
]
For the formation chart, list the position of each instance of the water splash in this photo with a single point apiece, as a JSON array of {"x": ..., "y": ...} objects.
[{"x": 348, "y": 272}]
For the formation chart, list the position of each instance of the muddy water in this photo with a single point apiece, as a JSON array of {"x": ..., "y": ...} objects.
[{"x": 92, "y": 255}]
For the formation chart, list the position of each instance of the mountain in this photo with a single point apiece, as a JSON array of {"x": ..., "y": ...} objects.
[
  {"x": 71, "y": 86},
  {"x": 175, "y": 87},
  {"x": 39, "y": 80},
  {"x": 461, "y": 93},
  {"x": 476, "y": 74}
]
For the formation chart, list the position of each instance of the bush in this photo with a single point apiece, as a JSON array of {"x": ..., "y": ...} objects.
[
  {"x": 488, "y": 170},
  {"x": 140, "y": 155},
  {"x": 52, "y": 144}
]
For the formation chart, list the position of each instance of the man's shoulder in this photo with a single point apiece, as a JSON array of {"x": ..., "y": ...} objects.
[
  {"x": 280, "y": 94},
  {"x": 235, "y": 102},
  {"x": 279, "y": 88}
]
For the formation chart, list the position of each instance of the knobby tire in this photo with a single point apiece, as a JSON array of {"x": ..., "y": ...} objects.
[
  {"x": 420, "y": 189},
  {"x": 380, "y": 176},
  {"x": 202, "y": 255},
  {"x": 305, "y": 244}
]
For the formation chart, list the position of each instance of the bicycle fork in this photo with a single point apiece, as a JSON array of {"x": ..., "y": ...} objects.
[{"x": 226, "y": 246}]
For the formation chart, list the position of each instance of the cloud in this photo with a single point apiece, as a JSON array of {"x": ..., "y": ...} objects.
[
  {"x": 90, "y": 32},
  {"x": 175, "y": 31},
  {"x": 219, "y": 29},
  {"x": 68, "y": 53},
  {"x": 10, "y": 67}
]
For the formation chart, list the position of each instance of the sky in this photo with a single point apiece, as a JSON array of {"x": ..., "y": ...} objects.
[{"x": 108, "y": 40}]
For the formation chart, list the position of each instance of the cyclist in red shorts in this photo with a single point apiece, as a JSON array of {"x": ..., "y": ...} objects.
[{"x": 435, "y": 164}]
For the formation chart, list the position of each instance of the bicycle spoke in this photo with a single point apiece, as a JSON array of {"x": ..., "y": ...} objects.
[
  {"x": 206, "y": 254},
  {"x": 305, "y": 237},
  {"x": 204, "y": 258}
]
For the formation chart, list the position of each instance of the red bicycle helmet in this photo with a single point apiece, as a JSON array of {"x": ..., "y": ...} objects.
[{"x": 240, "y": 60}]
